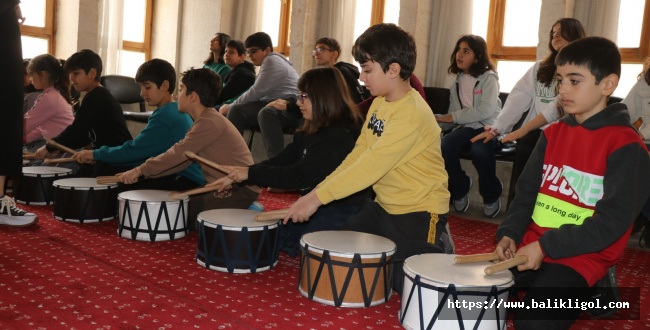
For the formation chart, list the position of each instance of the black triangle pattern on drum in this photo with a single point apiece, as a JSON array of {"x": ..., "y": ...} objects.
[
  {"x": 221, "y": 253},
  {"x": 355, "y": 264},
  {"x": 493, "y": 294},
  {"x": 153, "y": 232}
]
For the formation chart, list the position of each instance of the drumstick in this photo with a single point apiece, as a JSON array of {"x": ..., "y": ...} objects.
[
  {"x": 178, "y": 194},
  {"x": 637, "y": 123},
  {"x": 516, "y": 261},
  {"x": 28, "y": 156},
  {"x": 193, "y": 156},
  {"x": 60, "y": 147},
  {"x": 476, "y": 258},
  {"x": 271, "y": 215},
  {"x": 58, "y": 160},
  {"x": 108, "y": 179}
]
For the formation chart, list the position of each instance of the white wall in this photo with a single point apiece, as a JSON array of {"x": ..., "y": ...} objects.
[
  {"x": 200, "y": 20},
  {"x": 76, "y": 26},
  {"x": 165, "y": 31}
]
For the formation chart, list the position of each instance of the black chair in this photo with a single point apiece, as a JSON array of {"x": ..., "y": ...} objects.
[
  {"x": 126, "y": 91},
  {"x": 438, "y": 99}
]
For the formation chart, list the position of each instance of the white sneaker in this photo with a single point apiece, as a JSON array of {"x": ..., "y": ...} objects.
[
  {"x": 461, "y": 205},
  {"x": 10, "y": 215}
]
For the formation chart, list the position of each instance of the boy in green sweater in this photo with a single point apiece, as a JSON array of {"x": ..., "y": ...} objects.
[{"x": 166, "y": 126}]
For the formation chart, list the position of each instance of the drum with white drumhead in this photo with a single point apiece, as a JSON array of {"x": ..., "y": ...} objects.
[
  {"x": 346, "y": 268},
  {"x": 34, "y": 186},
  {"x": 84, "y": 200},
  {"x": 230, "y": 240},
  {"x": 440, "y": 294},
  {"x": 151, "y": 215}
]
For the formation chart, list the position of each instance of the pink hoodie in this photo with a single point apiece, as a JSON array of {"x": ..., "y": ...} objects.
[{"x": 49, "y": 116}]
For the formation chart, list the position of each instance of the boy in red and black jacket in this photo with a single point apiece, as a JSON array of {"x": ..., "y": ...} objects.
[{"x": 580, "y": 191}]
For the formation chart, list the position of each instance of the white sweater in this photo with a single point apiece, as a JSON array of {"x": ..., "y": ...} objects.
[
  {"x": 528, "y": 93},
  {"x": 638, "y": 104}
]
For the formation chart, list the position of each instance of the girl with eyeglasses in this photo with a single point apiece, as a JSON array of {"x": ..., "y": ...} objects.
[{"x": 328, "y": 133}]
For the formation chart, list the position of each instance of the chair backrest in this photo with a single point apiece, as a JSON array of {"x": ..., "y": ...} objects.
[
  {"x": 438, "y": 99},
  {"x": 124, "y": 89}
]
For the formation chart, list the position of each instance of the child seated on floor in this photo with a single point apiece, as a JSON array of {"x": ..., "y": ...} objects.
[
  {"x": 52, "y": 111},
  {"x": 165, "y": 127},
  {"x": 330, "y": 128},
  {"x": 99, "y": 120},
  {"x": 581, "y": 190},
  {"x": 397, "y": 153},
  {"x": 211, "y": 136}
]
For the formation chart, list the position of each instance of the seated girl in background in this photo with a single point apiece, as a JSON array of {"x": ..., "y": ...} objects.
[
  {"x": 474, "y": 103},
  {"x": 328, "y": 133},
  {"x": 638, "y": 103},
  {"x": 215, "y": 61},
  {"x": 31, "y": 93},
  {"x": 52, "y": 111}
]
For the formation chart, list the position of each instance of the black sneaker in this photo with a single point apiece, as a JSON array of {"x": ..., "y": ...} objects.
[
  {"x": 605, "y": 290},
  {"x": 10, "y": 215}
]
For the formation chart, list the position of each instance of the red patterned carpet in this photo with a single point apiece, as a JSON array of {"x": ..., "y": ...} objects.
[{"x": 59, "y": 275}]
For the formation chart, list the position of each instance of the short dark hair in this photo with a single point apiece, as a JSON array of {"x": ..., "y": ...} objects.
[
  {"x": 570, "y": 29},
  {"x": 330, "y": 99},
  {"x": 331, "y": 43},
  {"x": 157, "y": 71},
  {"x": 223, "y": 40},
  {"x": 386, "y": 44},
  {"x": 85, "y": 60},
  {"x": 237, "y": 45},
  {"x": 478, "y": 45},
  {"x": 204, "y": 82},
  {"x": 600, "y": 55},
  {"x": 260, "y": 40}
]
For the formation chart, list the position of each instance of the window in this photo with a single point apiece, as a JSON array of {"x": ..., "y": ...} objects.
[
  {"x": 381, "y": 11},
  {"x": 278, "y": 11},
  {"x": 633, "y": 40},
  {"x": 513, "y": 49},
  {"x": 136, "y": 38},
  {"x": 38, "y": 30}
]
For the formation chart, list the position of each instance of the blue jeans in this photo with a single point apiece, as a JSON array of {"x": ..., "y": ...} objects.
[
  {"x": 453, "y": 145},
  {"x": 326, "y": 218}
]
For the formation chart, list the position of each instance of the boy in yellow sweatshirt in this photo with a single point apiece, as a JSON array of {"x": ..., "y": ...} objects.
[{"x": 397, "y": 153}]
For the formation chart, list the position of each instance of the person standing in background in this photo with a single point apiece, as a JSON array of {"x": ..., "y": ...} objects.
[{"x": 11, "y": 94}]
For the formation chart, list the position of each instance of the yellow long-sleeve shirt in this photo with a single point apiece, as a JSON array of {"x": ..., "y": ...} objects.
[{"x": 398, "y": 153}]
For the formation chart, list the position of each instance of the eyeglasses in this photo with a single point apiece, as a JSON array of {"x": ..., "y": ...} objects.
[
  {"x": 319, "y": 50},
  {"x": 302, "y": 96},
  {"x": 252, "y": 51}
]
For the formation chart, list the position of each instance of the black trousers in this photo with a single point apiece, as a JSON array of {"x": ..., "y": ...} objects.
[
  {"x": 413, "y": 233},
  {"x": 551, "y": 282}
]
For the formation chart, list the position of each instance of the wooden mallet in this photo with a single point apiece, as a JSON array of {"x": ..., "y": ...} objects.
[
  {"x": 499, "y": 267},
  {"x": 61, "y": 147},
  {"x": 192, "y": 156},
  {"x": 58, "y": 160},
  {"x": 179, "y": 194},
  {"x": 108, "y": 179},
  {"x": 271, "y": 215},
  {"x": 476, "y": 258}
]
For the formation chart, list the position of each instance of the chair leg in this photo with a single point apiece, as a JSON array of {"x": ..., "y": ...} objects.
[{"x": 249, "y": 140}]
